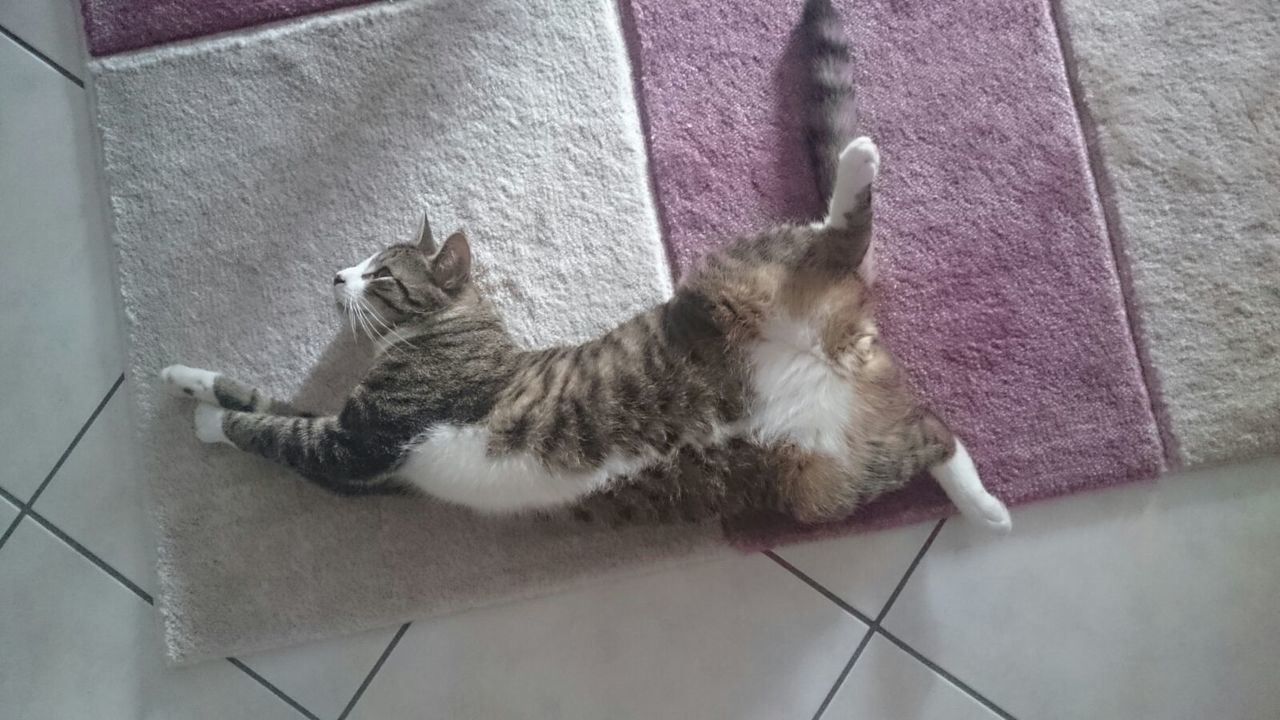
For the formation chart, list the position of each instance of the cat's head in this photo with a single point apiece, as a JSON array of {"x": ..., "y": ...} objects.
[{"x": 406, "y": 281}]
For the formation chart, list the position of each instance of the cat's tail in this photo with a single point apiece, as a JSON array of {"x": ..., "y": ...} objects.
[
  {"x": 959, "y": 479},
  {"x": 833, "y": 117}
]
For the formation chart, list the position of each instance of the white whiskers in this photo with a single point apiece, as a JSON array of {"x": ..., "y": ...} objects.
[
  {"x": 360, "y": 314},
  {"x": 351, "y": 320},
  {"x": 395, "y": 336}
]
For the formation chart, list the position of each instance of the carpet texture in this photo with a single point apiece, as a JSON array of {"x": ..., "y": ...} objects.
[
  {"x": 113, "y": 26},
  {"x": 1182, "y": 102},
  {"x": 242, "y": 172},
  {"x": 1000, "y": 292}
]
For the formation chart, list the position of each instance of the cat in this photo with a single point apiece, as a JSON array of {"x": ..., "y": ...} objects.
[{"x": 761, "y": 383}]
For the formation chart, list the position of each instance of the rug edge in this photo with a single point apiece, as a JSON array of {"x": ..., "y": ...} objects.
[{"x": 1103, "y": 195}]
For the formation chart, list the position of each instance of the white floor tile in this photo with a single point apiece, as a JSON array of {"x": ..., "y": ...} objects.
[
  {"x": 57, "y": 302},
  {"x": 1147, "y": 601},
  {"x": 861, "y": 569},
  {"x": 737, "y": 638},
  {"x": 50, "y": 26},
  {"x": 78, "y": 645},
  {"x": 98, "y": 498},
  {"x": 888, "y": 684},
  {"x": 323, "y": 676}
]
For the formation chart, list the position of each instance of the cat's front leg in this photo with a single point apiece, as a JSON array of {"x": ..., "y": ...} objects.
[
  {"x": 317, "y": 448},
  {"x": 215, "y": 388},
  {"x": 208, "y": 423},
  {"x": 189, "y": 381}
]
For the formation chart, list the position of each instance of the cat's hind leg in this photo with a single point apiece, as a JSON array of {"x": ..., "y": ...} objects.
[
  {"x": 217, "y": 389},
  {"x": 850, "y": 202},
  {"x": 959, "y": 479},
  {"x": 814, "y": 487}
]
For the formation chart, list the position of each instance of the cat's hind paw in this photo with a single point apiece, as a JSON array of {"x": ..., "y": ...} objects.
[
  {"x": 190, "y": 382},
  {"x": 851, "y": 196},
  {"x": 859, "y": 163},
  {"x": 208, "y": 422},
  {"x": 988, "y": 511},
  {"x": 959, "y": 480}
]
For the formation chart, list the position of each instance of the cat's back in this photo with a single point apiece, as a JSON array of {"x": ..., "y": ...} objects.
[
  {"x": 571, "y": 418},
  {"x": 639, "y": 390}
]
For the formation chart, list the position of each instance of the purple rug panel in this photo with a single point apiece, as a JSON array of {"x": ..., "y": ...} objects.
[
  {"x": 114, "y": 26},
  {"x": 998, "y": 282}
]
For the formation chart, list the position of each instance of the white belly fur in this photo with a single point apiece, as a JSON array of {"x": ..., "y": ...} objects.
[
  {"x": 799, "y": 395},
  {"x": 451, "y": 462},
  {"x": 799, "y": 398}
]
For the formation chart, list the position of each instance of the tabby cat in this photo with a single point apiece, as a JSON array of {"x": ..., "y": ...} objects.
[{"x": 761, "y": 384}]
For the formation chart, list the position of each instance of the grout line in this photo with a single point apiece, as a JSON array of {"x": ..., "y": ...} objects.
[
  {"x": 274, "y": 690},
  {"x": 945, "y": 675},
  {"x": 884, "y": 611},
  {"x": 848, "y": 667},
  {"x": 76, "y": 440},
  {"x": 13, "y": 499},
  {"x": 373, "y": 671},
  {"x": 41, "y": 56},
  {"x": 24, "y": 508},
  {"x": 873, "y": 625},
  {"x": 88, "y": 555},
  {"x": 877, "y": 626},
  {"x": 12, "y": 526},
  {"x": 821, "y": 590}
]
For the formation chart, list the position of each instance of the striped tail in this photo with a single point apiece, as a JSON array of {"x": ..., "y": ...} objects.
[{"x": 834, "y": 118}]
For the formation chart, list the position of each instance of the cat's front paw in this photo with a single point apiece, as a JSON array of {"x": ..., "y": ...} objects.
[
  {"x": 190, "y": 382},
  {"x": 209, "y": 424}
]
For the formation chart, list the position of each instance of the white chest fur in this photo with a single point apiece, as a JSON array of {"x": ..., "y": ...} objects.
[{"x": 800, "y": 396}]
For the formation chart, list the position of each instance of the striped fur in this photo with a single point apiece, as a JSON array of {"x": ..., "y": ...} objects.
[{"x": 832, "y": 114}]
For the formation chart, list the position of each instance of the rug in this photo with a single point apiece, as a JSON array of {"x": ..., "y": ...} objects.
[{"x": 1030, "y": 279}]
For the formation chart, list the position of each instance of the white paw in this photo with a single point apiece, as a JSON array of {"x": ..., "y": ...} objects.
[
  {"x": 959, "y": 480},
  {"x": 209, "y": 424},
  {"x": 191, "y": 382},
  {"x": 987, "y": 510},
  {"x": 860, "y": 163}
]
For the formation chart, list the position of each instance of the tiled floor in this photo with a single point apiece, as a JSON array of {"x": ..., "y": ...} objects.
[{"x": 1152, "y": 601}]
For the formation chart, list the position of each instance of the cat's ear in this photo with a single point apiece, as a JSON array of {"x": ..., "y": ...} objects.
[
  {"x": 451, "y": 267},
  {"x": 425, "y": 242}
]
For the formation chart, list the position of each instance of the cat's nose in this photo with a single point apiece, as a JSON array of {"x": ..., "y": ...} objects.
[{"x": 337, "y": 279}]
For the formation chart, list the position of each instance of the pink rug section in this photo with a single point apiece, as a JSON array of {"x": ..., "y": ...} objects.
[
  {"x": 998, "y": 282},
  {"x": 114, "y": 26}
]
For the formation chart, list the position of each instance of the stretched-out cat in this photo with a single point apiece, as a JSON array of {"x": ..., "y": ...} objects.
[{"x": 761, "y": 384}]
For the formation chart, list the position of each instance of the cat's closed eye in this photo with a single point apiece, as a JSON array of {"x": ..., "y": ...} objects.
[{"x": 380, "y": 273}]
